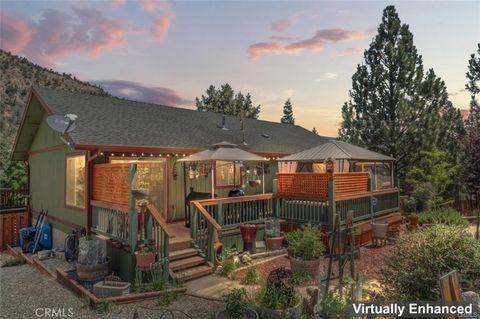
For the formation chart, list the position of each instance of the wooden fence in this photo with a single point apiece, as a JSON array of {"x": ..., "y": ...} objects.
[{"x": 315, "y": 185}]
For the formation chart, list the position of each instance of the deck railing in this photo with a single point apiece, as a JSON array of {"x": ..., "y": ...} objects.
[
  {"x": 111, "y": 220},
  {"x": 205, "y": 231},
  {"x": 11, "y": 199},
  {"x": 292, "y": 209},
  {"x": 155, "y": 229}
]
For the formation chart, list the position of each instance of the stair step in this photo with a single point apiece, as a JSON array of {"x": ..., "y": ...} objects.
[
  {"x": 193, "y": 273},
  {"x": 177, "y": 244},
  {"x": 186, "y": 263},
  {"x": 182, "y": 254}
]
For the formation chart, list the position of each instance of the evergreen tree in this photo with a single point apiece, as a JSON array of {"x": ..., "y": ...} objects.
[
  {"x": 314, "y": 130},
  {"x": 225, "y": 101},
  {"x": 395, "y": 107},
  {"x": 471, "y": 176},
  {"x": 287, "y": 117}
]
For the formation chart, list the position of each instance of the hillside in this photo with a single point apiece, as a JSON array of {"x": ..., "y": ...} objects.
[{"x": 17, "y": 76}]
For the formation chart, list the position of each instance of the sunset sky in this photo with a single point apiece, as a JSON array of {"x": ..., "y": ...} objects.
[{"x": 170, "y": 52}]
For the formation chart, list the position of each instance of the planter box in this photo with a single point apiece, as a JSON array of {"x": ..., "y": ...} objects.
[{"x": 106, "y": 289}]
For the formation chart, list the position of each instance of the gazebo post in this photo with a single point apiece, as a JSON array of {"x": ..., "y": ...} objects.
[{"x": 263, "y": 177}]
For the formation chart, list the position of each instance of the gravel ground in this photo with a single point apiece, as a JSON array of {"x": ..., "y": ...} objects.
[{"x": 23, "y": 290}]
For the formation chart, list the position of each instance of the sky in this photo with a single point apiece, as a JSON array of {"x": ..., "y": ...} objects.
[{"x": 170, "y": 52}]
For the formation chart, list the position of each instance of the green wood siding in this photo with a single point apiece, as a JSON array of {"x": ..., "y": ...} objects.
[
  {"x": 203, "y": 184},
  {"x": 47, "y": 179}
]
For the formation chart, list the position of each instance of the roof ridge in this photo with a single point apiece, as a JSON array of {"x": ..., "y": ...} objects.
[{"x": 341, "y": 148}]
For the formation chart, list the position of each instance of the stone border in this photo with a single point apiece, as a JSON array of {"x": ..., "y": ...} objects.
[{"x": 72, "y": 284}]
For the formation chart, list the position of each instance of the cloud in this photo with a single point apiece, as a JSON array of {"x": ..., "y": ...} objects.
[
  {"x": 461, "y": 91},
  {"x": 140, "y": 92},
  {"x": 160, "y": 27},
  {"x": 118, "y": 3},
  {"x": 14, "y": 33},
  {"x": 315, "y": 43},
  {"x": 154, "y": 5},
  {"x": 289, "y": 92},
  {"x": 58, "y": 34},
  {"x": 327, "y": 76},
  {"x": 350, "y": 52}
]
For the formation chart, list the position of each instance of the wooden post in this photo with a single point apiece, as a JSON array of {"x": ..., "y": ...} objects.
[
  {"x": 220, "y": 213},
  {"x": 370, "y": 185},
  {"x": 331, "y": 203},
  {"x": 210, "y": 244},
  {"x": 166, "y": 254},
  {"x": 132, "y": 214}
]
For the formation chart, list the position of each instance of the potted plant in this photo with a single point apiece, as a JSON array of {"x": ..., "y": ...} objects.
[
  {"x": 379, "y": 230},
  {"x": 237, "y": 306},
  {"x": 306, "y": 247},
  {"x": 273, "y": 236},
  {"x": 145, "y": 256},
  {"x": 413, "y": 219},
  {"x": 276, "y": 298}
]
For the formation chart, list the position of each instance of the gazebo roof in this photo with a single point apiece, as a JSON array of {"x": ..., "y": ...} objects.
[
  {"x": 336, "y": 150},
  {"x": 223, "y": 151}
]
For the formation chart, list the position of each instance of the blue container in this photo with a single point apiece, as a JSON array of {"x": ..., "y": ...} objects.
[
  {"x": 25, "y": 230},
  {"x": 46, "y": 237},
  {"x": 45, "y": 240}
]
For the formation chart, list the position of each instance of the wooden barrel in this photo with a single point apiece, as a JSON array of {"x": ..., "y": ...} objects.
[{"x": 92, "y": 272}]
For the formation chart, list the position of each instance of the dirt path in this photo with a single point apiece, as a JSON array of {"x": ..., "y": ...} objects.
[{"x": 24, "y": 291}]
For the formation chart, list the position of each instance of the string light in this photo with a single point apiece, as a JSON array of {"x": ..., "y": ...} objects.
[
  {"x": 143, "y": 154},
  {"x": 101, "y": 153},
  {"x": 123, "y": 155},
  {"x": 112, "y": 154},
  {"x": 151, "y": 154}
]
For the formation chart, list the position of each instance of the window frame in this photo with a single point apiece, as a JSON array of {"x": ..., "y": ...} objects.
[
  {"x": 85, "y": 178},
  {"x": 237, "y": 169}
]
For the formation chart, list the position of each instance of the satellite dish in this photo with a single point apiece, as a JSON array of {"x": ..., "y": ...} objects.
[{"x": 62, "y": 124}]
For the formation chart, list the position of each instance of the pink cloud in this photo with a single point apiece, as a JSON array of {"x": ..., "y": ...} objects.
[
  {"x": 315, "y": 43},
  {"x": 14, "y": 33},
  {"x": 350, "y": 52},
  {"x": 154, "y": 5},
  {"x": 118, "y": 3},
  {"x": 284, "y": 24},
  {"x": 160, "y": 26},
  {"x": 58, "y": 34}
]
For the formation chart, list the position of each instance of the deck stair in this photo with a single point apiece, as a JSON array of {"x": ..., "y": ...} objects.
[{"x": 185, "y": 262}]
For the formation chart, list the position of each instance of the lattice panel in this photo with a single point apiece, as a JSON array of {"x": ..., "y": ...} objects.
[
  {"x": 110, "y": 183},
  {"x": 353, "y": 183},
  {"x": 303, "y": 183}
]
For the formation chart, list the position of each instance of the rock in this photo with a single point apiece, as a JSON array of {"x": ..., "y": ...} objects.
[
  {"x": 473, "y": 298},
  {"x": 246, "y": 259}
]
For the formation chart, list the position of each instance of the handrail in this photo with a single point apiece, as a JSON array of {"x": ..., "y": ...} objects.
[
  {"x": 159, "y": 219},
  {"x": 107, "y": 205},
  {"x": 206, "y": 215},
  {"x": 238, "y": 199},
  {"x": 366, "y": 194}
]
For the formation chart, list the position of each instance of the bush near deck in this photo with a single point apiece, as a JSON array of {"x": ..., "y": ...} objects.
[
  {"x": 447, "y": 216},
  {"x": 420, "y": 257}
]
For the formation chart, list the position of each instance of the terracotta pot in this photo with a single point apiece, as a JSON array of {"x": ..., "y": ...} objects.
[
  {"x": 249, "y": 233},
  {"x": 413, "y": 220},
  {"x": 251, "y": 314},
  {"x": 144, "y": 260},
  {"x": 273, "y": 243},
  {"x": 310, "y": 266}
]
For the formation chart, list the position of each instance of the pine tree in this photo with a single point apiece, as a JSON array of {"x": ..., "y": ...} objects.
[
  {"x": 225, "y": 101},
  {"x": 314, "y": 130},
  {"x": 471, "y": 176},
  {"x": 287, "y": 117},
  {"x": 395, "y": 107}
]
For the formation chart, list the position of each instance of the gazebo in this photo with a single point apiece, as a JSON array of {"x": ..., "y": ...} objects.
[{"x": 346, "y": 157}]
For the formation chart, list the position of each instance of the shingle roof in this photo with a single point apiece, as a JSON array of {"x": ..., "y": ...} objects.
[
  {"x": 114, "y": 121},
  {"x": 336, "y": 150}
]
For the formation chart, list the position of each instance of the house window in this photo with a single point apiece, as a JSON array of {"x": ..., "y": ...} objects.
[
  {"x": 75, "y": 180},
  {"x": 227, "y": 174}
]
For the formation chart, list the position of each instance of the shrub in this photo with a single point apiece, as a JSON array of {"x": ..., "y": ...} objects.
[
  {"x": 228, "y": 263},
  {"x": 419, "y": 258},
  {"x": 278, "y": 292},
  {"x": 334, "y": 305},
  {"x": 306, "y": 243},
  {"x": 446, "y": 216},
  {"x": 251, "y": 276},
  {"x": 299, "y": 276},
  {"x": 236, "y": 303}
]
